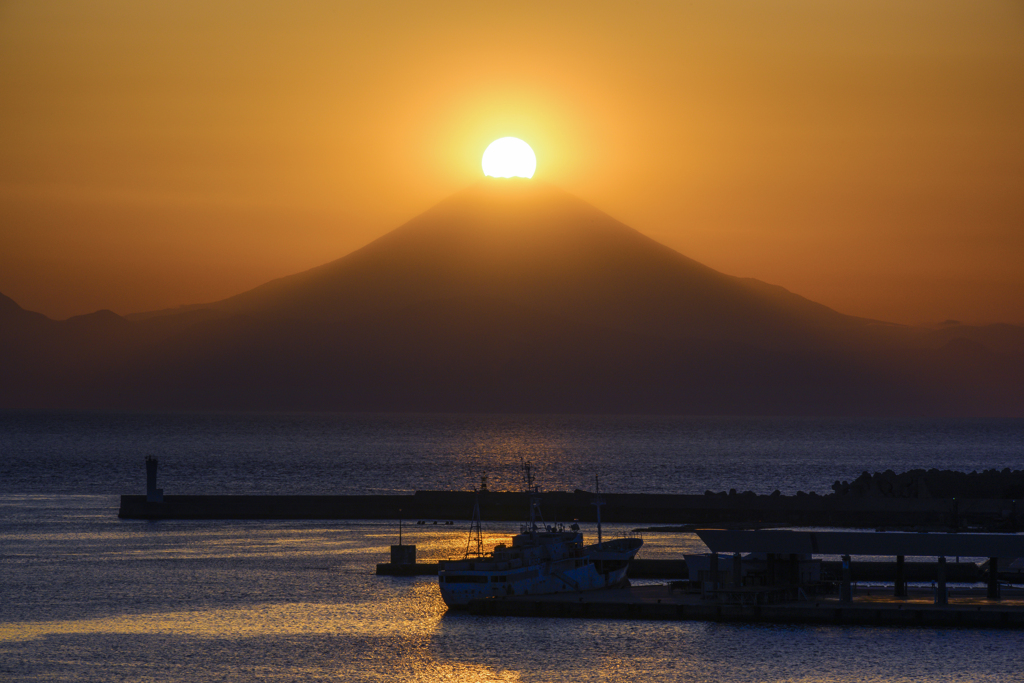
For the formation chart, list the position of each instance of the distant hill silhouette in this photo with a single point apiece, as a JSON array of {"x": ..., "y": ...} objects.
[{"x": 511, "y": 296}]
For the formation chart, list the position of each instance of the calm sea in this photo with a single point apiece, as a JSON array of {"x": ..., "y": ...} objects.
[{"x": 87, "y": 597}]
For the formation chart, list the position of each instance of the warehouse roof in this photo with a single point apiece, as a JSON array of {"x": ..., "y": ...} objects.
[{"x": 863, "y": 543}]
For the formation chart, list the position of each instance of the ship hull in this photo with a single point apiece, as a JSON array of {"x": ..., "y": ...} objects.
[{"x": 605, "y": 567}]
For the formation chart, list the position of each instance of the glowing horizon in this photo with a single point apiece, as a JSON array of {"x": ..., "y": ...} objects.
[{"x": 865, "y": 155}]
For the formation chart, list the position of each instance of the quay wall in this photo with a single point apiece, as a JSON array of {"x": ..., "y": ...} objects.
[
  {"x": 963, "y": 572},
  {"x": 830, "y": 613},
  {"x": 809, "y": 510}
]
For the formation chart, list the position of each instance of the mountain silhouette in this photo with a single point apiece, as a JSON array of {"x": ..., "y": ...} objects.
[
  {"x": 511, "y": 296},
  {"x": 531, "y": 245}
]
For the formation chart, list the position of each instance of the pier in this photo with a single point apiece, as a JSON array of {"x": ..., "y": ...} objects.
[
  {"x": 966, "y": 608},
  {"x": 673, "y": 570},
  {"x": 638, "y": 569},
  {"x": 630, "y": 508},
  {"x": 719, "y": 509},
  {"x": 780, "y": 580}
]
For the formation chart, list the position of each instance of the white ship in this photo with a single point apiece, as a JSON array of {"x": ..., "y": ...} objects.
[{"x": 542, "y": 559}]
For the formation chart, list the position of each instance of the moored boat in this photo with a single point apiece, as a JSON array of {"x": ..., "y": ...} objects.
[{"x": 541, "y": 560}]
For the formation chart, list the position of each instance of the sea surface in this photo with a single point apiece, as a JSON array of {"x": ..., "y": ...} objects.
[{"x": 87, "y": 597}]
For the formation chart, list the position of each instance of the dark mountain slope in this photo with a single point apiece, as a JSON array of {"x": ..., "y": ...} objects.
[
  {"x": 510, "y": 296},
  {"x": 534, "y": 246},
  {"x": 13, "y": 316}
]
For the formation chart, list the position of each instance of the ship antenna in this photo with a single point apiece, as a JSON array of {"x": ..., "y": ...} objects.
[
  {"x": 532, "y": 492},
  {"x": 476, "y": 529},
  {"x": 597, "y": 503},
  {"x": 528, "y": 477}
]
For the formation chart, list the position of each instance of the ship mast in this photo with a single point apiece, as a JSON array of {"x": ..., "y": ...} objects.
[
  {"x": 475, "y": 530},
  {"x": 533, "y": 493}
]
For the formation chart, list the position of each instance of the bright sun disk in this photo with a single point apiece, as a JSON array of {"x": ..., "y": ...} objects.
[{"x": 509, "y": 158}]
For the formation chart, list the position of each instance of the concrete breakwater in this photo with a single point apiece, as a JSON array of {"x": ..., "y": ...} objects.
[
  {"x": 638, "y": 569},
  {"x": 631, "y": 508},
  {"x": 959, "y": 572},
  {"x": 1006, "y": 484}
]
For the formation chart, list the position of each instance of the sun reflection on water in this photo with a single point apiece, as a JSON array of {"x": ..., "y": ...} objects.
[{"x": 299, "y": 600}]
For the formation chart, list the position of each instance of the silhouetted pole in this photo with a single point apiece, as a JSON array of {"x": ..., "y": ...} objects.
[
  {"x": 402, "y": 554},
  {"x": 153, "y": 494},
  {"x": 737, "y": 570},
  {"x": 901, "y": 577},
  {"x": 993, "y": 578},
  {"x": 941, "y": 594},
  {"x": 846, "y": 592}
]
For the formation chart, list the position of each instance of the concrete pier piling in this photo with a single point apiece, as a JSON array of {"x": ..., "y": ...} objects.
[
  {"x": 993, "y": 578},
  {"x": 941, "y": 592},
  {"x": 900, "y": 588},
  {"x": 846, "y": 591}
]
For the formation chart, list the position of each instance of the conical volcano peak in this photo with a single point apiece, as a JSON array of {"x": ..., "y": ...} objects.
[
  {"x": 525, "y": 242},
  {"x": 507, "y": 199},
  {"x": 510, "y": 296},
  {"x": 531, "y": 246},
  {"x": 511, "y": 214}
]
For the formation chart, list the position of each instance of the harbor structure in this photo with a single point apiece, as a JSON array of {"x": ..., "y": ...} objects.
[
  {"x": 786, "y": 546},
  {"x": 780, "y": 579},
  {"x": 153, "y": 494}
]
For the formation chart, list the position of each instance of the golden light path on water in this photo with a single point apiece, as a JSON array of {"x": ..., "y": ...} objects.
[
  {"x": 409, "y": 619},
  {"x": 298, "y": 600},
  {"x": 413, "y": 629},
  {"x": 412, "y": 623},
  {"x": 405, "y": 619},
  {"x": 262, "y": 620},
  {"x": 283, "y": 620}
]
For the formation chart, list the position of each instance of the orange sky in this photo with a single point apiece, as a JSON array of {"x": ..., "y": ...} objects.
[{"x": 867, "y": 155}]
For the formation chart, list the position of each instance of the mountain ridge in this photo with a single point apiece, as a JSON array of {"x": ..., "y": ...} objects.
[
  {"x": 511, "y": 297},
  {"x": 542, "y": 248}
]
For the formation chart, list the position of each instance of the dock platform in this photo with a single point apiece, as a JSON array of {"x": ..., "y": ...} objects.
[
  {"x": 757, "y": 511},
  {"x": 638, "y": 569},
  {"x": 967, "y": 608}
]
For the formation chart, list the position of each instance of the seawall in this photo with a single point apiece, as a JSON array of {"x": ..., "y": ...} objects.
[
  {"x": 660, "y": 604},
  {"x": 956, "y": 572},
  {"x": 804, "y": 510}
]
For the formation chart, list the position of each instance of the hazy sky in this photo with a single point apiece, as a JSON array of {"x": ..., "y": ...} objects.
[{"x": 867, "y": 155}]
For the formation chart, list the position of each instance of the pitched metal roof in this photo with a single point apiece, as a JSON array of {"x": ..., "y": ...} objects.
[{"x": 863, "y": 543}]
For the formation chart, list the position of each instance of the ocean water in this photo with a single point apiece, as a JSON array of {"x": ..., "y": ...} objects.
[
  {"x": 103, "y": 453},
  {"x": 87, "y": 597}
]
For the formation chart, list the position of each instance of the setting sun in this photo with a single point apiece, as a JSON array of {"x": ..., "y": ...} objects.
[{"x": 509, "y": 158}]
